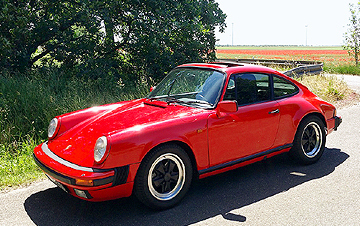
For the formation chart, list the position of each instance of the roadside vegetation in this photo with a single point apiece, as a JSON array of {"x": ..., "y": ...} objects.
[
  {"x": 342, "y": 69},
  {"x": 328, "y": 88},
  {"x": 28, "y": 103}
]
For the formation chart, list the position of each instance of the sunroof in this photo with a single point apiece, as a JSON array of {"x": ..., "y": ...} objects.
[{"x": 228, "y": 64}]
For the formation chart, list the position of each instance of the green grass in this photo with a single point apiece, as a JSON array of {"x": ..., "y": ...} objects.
[
  {"x": 29, "y": 101},
  {"x": 342, "y": 69},
  {"x": 17, "y": 167}
]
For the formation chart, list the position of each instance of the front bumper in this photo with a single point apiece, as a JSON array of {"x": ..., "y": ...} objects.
[{"x": 83, "y": 182}]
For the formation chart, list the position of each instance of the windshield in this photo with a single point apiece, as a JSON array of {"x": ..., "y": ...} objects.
[{"x": 191, "y": 86}]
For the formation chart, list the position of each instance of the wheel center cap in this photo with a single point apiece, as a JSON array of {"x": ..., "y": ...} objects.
[{"x": 167, "y": 177}]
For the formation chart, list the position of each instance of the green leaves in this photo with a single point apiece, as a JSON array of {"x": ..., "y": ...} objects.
[
  {"x": 352, "y": 36},
  {"x": 153, "y": 36}
]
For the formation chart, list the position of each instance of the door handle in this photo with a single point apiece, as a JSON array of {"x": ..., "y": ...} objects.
[{"x": 274, "y": 111}]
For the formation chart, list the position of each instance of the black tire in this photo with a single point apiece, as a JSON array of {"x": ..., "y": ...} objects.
[
  {"x": 164, "y": 177},
  {"x": 309, "y": 141}
]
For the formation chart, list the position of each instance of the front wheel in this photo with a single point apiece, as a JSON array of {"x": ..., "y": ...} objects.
[
  {"x": 309, "y": 140},
  {"x": 163, "y": 178}
]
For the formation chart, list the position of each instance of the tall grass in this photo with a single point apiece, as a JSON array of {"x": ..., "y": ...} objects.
[
  {"x": 328, "y": 88},
  {"x": 17, "y": 166},
  {"x": 29, "y": 101},
  {"x": 342, "y": 69}
]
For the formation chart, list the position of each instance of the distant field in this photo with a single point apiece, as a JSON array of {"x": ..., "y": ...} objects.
[
  {"x": 283, "y": 47},
  {"x": 330, "y": 55}
]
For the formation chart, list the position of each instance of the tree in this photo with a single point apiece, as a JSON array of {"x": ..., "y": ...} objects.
[
  {"x": 352, "y": 36},
  {"x": 147, "y": 36}
]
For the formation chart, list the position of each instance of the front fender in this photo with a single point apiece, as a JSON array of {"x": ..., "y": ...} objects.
[{"x": 131, "y": 145}]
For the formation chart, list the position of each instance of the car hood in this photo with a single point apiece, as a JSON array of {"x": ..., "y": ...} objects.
[{"x": 76, "y": 145}]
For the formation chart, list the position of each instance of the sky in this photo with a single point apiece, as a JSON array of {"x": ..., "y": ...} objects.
[{"x": 285, "y": 22}]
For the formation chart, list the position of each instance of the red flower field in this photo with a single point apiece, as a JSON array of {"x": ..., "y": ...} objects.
[
  {"x": 281, "y": 52},
  {"x": 330, "y": 55}
]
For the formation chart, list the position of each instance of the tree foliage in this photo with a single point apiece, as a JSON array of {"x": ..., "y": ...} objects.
[
  {"x": 117, "y": 37},
  {"x": 352, "y": 36}
]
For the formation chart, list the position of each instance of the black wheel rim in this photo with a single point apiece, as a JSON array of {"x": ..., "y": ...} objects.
[
  {"x": 166, "y": 176},
  {"x": 311, "y": 140}
]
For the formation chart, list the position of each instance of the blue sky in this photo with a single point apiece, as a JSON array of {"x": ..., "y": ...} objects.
[{"x": 283, "y": 22}]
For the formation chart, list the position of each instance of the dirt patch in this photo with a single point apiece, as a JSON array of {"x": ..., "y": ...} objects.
[{"x": 352, "y": 99}]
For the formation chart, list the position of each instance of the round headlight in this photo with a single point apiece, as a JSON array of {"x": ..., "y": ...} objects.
[
  {"x": 100, "y": 149},
  {"x": 52, "y": 127}
]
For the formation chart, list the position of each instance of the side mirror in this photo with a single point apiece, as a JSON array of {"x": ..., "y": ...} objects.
[{"x": 227, "y": 106}]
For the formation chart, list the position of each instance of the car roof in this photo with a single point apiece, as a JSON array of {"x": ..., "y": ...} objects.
[{"x": 230, "y": 67}]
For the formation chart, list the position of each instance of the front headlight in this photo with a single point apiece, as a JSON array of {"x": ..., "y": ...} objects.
[
  {"x": 100, "y": 149},
  {"x": 52, "y": 127}
]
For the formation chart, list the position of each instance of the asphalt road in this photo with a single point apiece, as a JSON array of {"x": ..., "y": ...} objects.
[{"x": 272, "y": 192}]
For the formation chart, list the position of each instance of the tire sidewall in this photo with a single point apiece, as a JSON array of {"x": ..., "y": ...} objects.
[
  {"x": 297, "y": 152},
  {"x": 141, "y": 186}
]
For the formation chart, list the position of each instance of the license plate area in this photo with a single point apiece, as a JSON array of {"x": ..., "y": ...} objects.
[{"x": 60, "y": 185}]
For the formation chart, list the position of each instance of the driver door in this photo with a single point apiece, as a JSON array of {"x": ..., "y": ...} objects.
[{"x": 250, "y": 130}]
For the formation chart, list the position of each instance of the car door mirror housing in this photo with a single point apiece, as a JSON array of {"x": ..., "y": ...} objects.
[{"x": 227, "y": 106}]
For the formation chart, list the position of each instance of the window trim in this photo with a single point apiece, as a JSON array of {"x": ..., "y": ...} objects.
[
  {"x": 271, "y": 86},
  {"x": 262, "y": 101}
]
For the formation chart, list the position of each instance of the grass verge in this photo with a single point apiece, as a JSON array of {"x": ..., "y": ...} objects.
[
  {"x": 18, "y": 168},
  {"x": 328, "y": 88},
  {"x": 28, "y": 101},
  {"x": 342, "y": 69}
]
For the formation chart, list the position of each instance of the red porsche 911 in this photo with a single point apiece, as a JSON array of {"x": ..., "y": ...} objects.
[{"x": 201, "y": 120}]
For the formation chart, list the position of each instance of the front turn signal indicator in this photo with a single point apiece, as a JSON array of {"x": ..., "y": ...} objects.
[{"x": 84, "y": 182}]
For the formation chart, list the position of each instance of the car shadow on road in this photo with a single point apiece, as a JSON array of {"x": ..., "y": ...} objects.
[{"x": 209, "y": 197}]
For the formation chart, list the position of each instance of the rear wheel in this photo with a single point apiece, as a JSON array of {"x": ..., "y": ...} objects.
[
  {"x": 163, "y": 178},
  {"x": 309, "y": 141}
]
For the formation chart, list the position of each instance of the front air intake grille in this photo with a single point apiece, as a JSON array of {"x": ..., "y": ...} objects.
[{"x": 121, "y": 175}]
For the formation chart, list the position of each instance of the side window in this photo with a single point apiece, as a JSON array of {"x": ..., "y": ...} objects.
[
  {"x": 283, "y": 88},
  {"x": 248, "y": 88}
]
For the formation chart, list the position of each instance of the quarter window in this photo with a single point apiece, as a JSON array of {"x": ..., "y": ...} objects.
[{"x": 283, "y": 88}]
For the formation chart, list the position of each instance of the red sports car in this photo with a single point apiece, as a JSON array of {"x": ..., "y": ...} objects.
[{"x": 201, "y": 120}]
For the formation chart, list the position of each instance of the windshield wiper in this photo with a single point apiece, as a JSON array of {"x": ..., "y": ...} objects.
[
  {"x": 170, "y": 100},
  {"x": 156, "y": 98}
]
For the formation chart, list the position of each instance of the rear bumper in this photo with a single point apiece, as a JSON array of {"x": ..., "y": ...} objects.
[
  {"x": 333, "y": 124},
  {"x": 338, "y": 121},
  {"x": 86, "y": 183}
]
